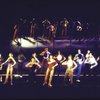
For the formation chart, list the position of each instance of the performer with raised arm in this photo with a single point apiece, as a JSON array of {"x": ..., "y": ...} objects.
[
  {"x": 50, "y": 71},
  {"x": 33, "y": 66},
  {"x": 78, "y": 26},
  {"x": 79, "y": 58},
  {"x": 34, "y": 61},
  {"x": 45, "y": 54},
  {"x": 71, "y": 66},
  {"x": 59, "y": 58},
  {"x": 11, "y": 63}
]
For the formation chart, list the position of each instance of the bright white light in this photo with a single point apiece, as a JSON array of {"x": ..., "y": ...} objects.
[{"x": 27, "y": 43}]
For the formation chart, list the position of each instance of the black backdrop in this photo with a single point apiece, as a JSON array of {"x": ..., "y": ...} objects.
[{"x": 12, "y": 10}]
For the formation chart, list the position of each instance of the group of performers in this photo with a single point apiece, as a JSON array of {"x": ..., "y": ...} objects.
[
  {"x": 49, "y": 30},
  {"x": 49, "y": 63}
]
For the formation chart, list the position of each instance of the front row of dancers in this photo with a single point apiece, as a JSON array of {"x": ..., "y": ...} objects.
[{"x": 51, "y": 62}]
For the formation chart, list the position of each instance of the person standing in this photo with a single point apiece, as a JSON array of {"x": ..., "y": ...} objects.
[
  {"x": 45, "y": 54},
  {"x": 11, "y": 63},
  {"x": 64, "y": 27},
  {"x": 21, "y": 59},
  {"x": 71, "y": 66},
  {"x": 79, "y": 58},
  {"x": 59, "y": 58},
  {"x": 92, "y": 62},
  {"x": 50, "y": 71}
]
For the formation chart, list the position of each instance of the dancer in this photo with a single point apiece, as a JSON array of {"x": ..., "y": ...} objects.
[
  {"x": 34, "y": 61},
  {"x": 79, "y": 58},
  {"x": 32, "y": 67},
  {"x": 21, "y": 59},
  {"x": 45, "y": 54},
  {"x": 51, "y": 33},
  {"x": 64, "y": 25},
  {"x": 11, "y": 63},
  {"x": 15, "y": 32},
  {"x": 87, "y": 65},
  {"x": 32, "y": 29},
  {"x": 50, "y": 71},
  {"x": 45, "y": 23},
  {"x": 59, "y": 58},
  {"x": 71, "y": 66},
  {"x": 91, "y": 61}
]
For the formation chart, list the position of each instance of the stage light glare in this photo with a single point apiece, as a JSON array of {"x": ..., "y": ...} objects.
[{"x": 26, "y": 42}]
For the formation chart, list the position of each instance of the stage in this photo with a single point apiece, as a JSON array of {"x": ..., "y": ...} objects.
[
  {"x": 89, "y": 87},
  {"x": 30, "y": 26}
]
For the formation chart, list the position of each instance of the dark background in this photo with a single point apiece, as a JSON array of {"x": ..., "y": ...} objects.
[{"x": 12, "y": 10}]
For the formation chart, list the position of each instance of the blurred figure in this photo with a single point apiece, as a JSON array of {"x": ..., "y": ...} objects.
[
  {"x": 91, "y": 61},
  {"x": 1, "y": 60},
  {"x": 34, "y": 61},
  {"x": 46, "y": 24},
  {"x": 15, "y": 32},
  {"x": 78, "y": 29},
  {"x": 45, "y": 54},
  {"x": 33, "y": 67},
  {"x": 79, "y": 58},
  {"x": 50, "y": 71},
  {"x": 33, "y": 27},
  {"x": 11, "y": 63},
  {"x": 71, "y": 66},
  {"x": 21, "y": 59},
  {"x": 32, "y": 30},
  {"x": 51, "y": 33},
  {"x": 64, "y": 27},
  {"x": 60, "y": 59},
  {"x": 78, "y": 26}
]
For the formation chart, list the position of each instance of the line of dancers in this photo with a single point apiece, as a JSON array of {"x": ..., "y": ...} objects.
[
  {"x": 48, "y": 65},
  {"x": 50, "y": 29}
]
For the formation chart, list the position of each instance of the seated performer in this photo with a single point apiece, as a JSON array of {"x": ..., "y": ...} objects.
[
  {"x": 50, "y": 71},
  {"x": 32, "y": 67},
  {"x": 71, "y": 65},
  {"x": 34, "y": 61},
  {"x": 11, "y": 63}
]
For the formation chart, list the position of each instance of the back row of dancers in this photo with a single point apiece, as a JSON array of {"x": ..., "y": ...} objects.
[
  {"x": 50, "y": 30},
  {"x": 49, "y": 63}
]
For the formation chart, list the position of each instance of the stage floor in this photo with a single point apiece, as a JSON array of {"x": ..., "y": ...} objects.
[
  {"x": 89, "y": 87},
  {"x": 31, "y": 43}
]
